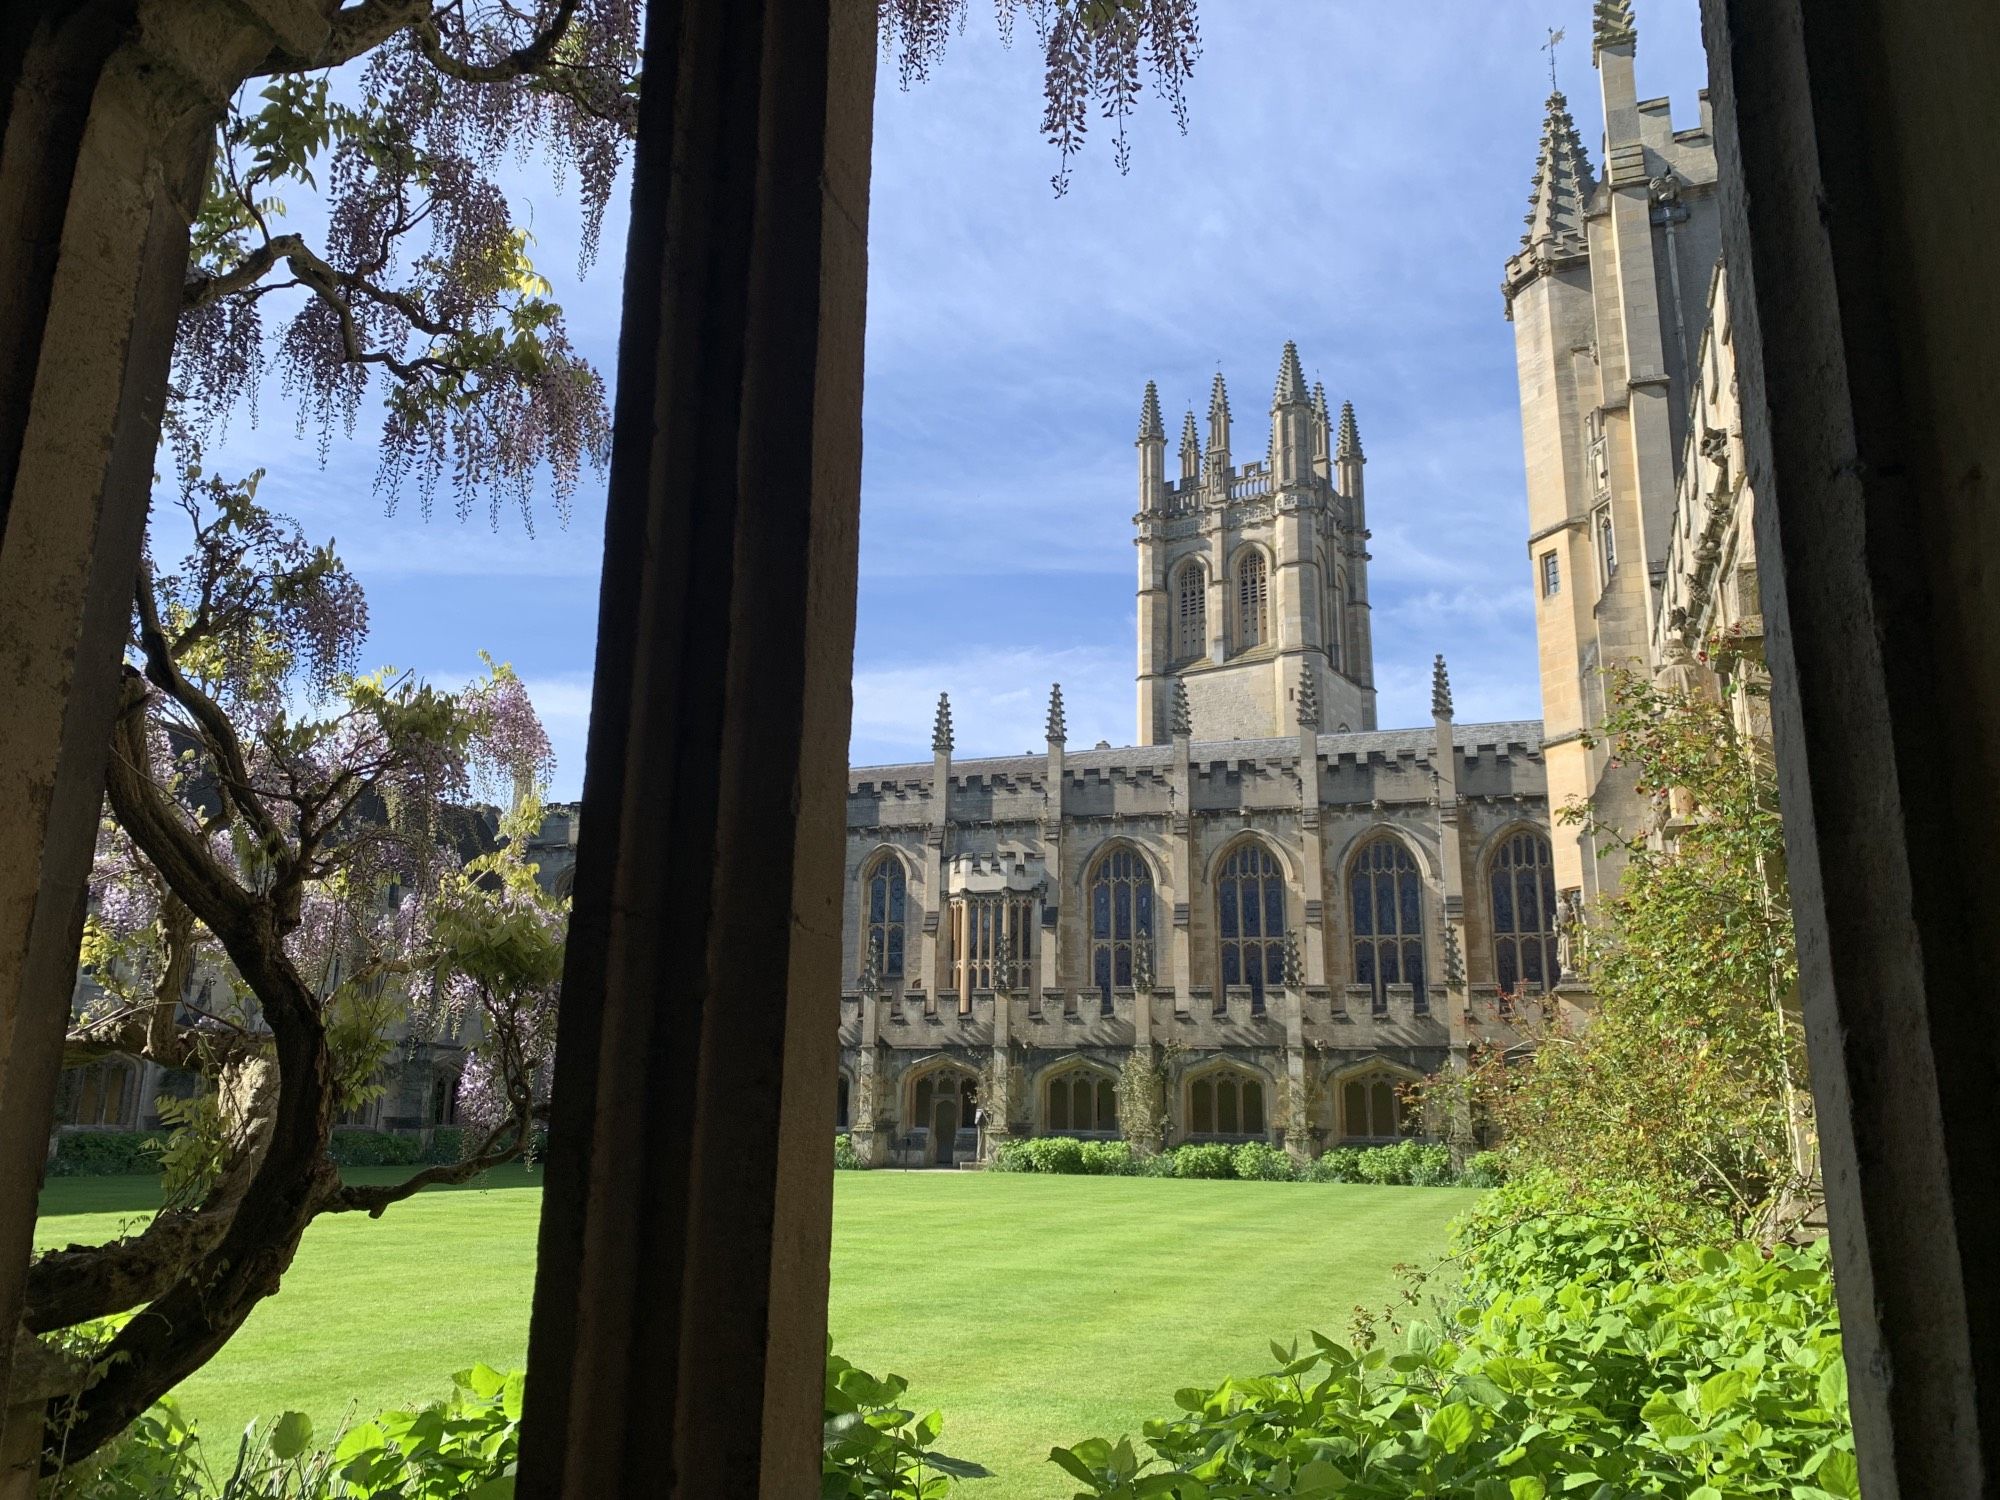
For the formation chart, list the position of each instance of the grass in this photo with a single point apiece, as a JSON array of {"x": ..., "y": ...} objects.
[{"x": 1033, "y": 1310}]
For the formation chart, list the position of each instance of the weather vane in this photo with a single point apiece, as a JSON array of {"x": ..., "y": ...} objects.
[{"x": 1555, "y": 36}]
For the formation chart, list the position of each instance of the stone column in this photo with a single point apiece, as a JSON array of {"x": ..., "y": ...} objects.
[
  {"x": 677, "y": 1343},
  {"x": 1866, "y": 314},
  {"x": 110, "y": 109}
]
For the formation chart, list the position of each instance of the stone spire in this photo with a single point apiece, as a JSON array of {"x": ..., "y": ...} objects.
[
  {"x": 1322, "y": 434},
  {"x": 941, "y": 743},
  {"x": 1150, "y": 425},
  {"x": 1190, "y": 448},
  {"x": 1058, "y": 730},
  {"x": 1440, "y": 690},
  {"x": 1349, "y": 445},
  {"x": 1309, "y": 697},
  {"x": 1183, "y": 716},
  {"x": 1291, "y": 386},
  {"x": 1612, "y": 25},
  {"x": 1218, "y": 431},
  {"x": 1562, "y": 184}
]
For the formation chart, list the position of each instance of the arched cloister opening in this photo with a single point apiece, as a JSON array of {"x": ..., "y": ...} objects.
[
  {"x": 1226, "y": 1102},
  {"x": 1369, "y": 1105},
  {"x": 1078, "y": 1099}
]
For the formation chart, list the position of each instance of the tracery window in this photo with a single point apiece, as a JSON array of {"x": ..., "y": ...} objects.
[
  {"x": 886, "y": 895},
  {"x": 989, "y": 933},
  {"x": 840, "y": 1105},
  {"x": 1607, "y": 547},
  {"x": 1522, "y": 880},
  {"x": 1371, "y": 1108},
  {"x": 1250, "y": 922},
  {"x": 1082, "y": 1100},
  {"x": 99, "y": 1093},
  {"x": 1336, "y": 617},
  {"x": 1121, "y": 919},
  {"x": 1226, "y": 1102},
  {"x": 1388, "y": 901},
  {"x": 1190, "y": 613},
  {"x": 1252, "y": 598}
]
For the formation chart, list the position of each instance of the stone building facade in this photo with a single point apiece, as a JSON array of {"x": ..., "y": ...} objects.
[
  {"x": 1639, "y": 535},
  {"x": 1283, "y": 912}
]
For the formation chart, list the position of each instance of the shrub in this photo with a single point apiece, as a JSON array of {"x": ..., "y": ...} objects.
[
  {"x": 844, "y": 1158},
  {"x": 877, "y": 1448},
  {"x": 1059, "y": 1154},
  {"x": 1537, "y": 1228},
  {"x": 1341, "y": 1164},
  {"x": 1011, "y": 1157},
  {"x": 372, "y": 1148},
  {"x": 1721, "y": 1378},
  {"x": 466, "y": 1447},
  {"x": 462, "y": 1448},
  {"x": 1107, "y": 1158},
  {"x": 1159, "y": 1164},
  {"x": 447, "y": 1144},
  {"x": 1255, "y": 1161},
  {"x": 1205, "y": 1160},
  {"x": 107, "y": 1153},
  {"x": 1483, "y": 1171}
]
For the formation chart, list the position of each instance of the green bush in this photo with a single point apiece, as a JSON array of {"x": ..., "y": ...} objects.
[
  {"x": 447, "y": 1144},
  {"x": 1538, "y": 1227},
  {"x": 1717, "y": 1373},
  {"x": 1208, "y": 1160},
  {"x": 1483, "y": 1171},
  {"x": 1255, "y": 1161},
  {"x": 462, "y": 1448},
  {"x": 875, "y": 1447},
  {"x": 844, "y": 1159},
  {"x": 1059, "y": 1154},
  {"x": 373, "y": 1148},
  {"x": 107, "y": 1153},
  {"x": 1107, "y": 1158},
  {"x": 1340, "y": 1164},
  {"x": 1013, "y": 1156}
]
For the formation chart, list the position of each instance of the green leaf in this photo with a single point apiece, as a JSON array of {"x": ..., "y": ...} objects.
[
  {"x": 1526, "y": 1487},
  {"x": 1451, "y": 1427},
  {"x": 291, "y": 1435},
  {"x": 1073, "y": 1465},
  {"x": 1839, "y": 1474}
]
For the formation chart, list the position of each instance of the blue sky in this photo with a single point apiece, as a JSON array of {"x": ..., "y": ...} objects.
[{"x": 1353, "y": 176}]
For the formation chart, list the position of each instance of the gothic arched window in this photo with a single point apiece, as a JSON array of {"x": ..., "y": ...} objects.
[
  {"x": 1225, "y": 1102},
  {"x": 1082, "y": 1100},
  {"x": 886, "y": 894},
  {"x": 1250, "y": 922},
  {"x": 1523, "y": 883},
  {"x": 840, "y": 1105},
  {"x": 1121, "y": 919},
  {"x": 1370, "y": 1108},
  {"x": 1336, "y": 617},
  {"x": 1252, "y": 597},
  {"x": 1388, "y": 897},
  {"x": 1190, "y": 613}
]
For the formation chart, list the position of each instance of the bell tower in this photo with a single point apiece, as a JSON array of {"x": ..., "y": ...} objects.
[{"x": 1253, "y": 579}]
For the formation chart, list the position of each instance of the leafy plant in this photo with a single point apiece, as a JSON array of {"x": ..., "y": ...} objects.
[
  {"x": 1255, "y": 1161},
  {"x": 1713, "y": 1373},
  {"x": 877, "y": 1448},
  {"x": 1204, "y": 1160},
  {"x": 844, "y": 1157}
]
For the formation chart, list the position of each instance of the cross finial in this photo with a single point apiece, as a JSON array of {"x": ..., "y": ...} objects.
[{"x": 1555, "y": 36}]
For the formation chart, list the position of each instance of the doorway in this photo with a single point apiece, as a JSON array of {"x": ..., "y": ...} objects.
[{"x": 944, "y": 1132}]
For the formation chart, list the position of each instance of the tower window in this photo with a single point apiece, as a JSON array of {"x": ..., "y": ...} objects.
[
  {"x": 1607, "y": 547},
  {"x": 1252, "y": 592},
  {"x": 1551, "y": 576},
  {"x": 1190, "y": 613}
]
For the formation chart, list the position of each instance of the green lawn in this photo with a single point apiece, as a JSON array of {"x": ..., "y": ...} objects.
[{"x": 1033, "y": 1310}]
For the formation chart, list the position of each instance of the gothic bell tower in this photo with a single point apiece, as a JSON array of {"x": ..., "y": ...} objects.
[{"x": 1253, "y": 581}]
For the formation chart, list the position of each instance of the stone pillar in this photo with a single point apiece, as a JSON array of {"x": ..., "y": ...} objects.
[
  {"x": 1180, "y": 839},
  {"x": 1049, "y": 972},
  {"x": 678, "y": 1337},
  {"x": 866, "y": 1134},
  {"x": 1866, "y": 315},
  {"x": 110, "y": 109}
]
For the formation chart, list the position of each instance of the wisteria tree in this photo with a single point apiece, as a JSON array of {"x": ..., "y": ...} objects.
[
  {"x": 295, "y": 835},
  {"x": 357, "y": 193}
]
